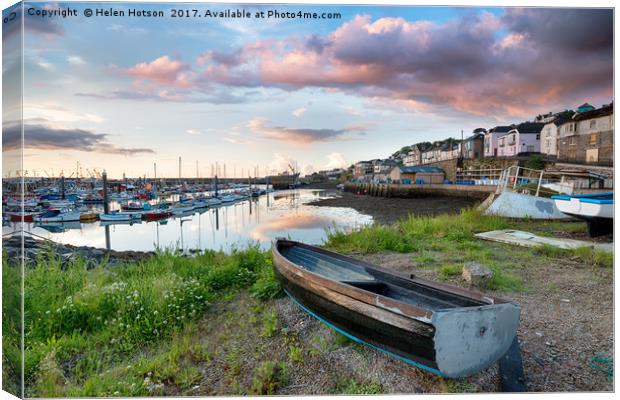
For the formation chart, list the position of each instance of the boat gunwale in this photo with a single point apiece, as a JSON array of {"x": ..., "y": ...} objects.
[{"x": 375, "y": 299}]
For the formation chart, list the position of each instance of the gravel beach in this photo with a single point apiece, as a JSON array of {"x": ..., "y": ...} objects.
[{"x": 389, "y": 210}]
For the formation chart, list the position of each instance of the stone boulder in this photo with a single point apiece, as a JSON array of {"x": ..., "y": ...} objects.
[{"x": 477, "y": 274}]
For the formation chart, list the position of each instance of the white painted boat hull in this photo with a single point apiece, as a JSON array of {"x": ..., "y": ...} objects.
[
  {"x": 117, "y": 217},
  {"x": 576, "y": 207},
  {"x": 69, "y": 216}
]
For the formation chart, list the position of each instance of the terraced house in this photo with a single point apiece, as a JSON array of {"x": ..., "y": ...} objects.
[
  {"x": 522, "y": 138},
  {"x": 588, "y": 137},
  {"x": 549, "y": 139}
]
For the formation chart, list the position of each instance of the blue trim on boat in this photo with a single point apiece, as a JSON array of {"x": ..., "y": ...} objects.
[
  {"x": 596, "y": 201},
  {"x": 358, "y": 340},
  {"x": 608, "y": 196}
]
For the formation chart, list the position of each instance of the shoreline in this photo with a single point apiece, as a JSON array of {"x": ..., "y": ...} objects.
[{"x": 389, "y": 210}]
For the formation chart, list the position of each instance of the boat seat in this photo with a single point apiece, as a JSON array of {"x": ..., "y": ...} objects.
[{"x": 371, "y": 286}]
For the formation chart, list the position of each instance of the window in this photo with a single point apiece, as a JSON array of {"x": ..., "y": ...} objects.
[
  {"x": 593, "y": 139},
  {"x": 530, "y": 149},
  {"x": 593, "y": 124},
  {"x": 538, "y": 137}
]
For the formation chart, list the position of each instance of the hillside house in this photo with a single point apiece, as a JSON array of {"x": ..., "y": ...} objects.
[
  {"x": 549, "y": 135},
  {"x": 523, "y": 138},
  {"x": 588, "y": 137},
  {"x": 491, "y": 139},
  {"x": 418, "y": 174}
]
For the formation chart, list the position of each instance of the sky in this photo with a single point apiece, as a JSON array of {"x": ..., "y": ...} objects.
[{"x": 120, "y": 93}]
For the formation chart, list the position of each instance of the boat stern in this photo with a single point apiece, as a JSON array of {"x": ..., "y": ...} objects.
[{"x": 470, "y": 339}]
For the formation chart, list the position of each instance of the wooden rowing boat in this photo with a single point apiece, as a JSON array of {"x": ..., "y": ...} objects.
[{"x": 447, "y": 330}]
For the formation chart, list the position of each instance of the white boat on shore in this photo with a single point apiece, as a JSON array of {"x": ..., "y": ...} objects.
[{"x": 596, "y": 209}]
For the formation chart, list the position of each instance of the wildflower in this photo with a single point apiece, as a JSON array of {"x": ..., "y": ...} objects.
[
  {"x": 47, "y": 312},
  {"x": 155, "y": 312},
  {"x": 58, "y": 310}
]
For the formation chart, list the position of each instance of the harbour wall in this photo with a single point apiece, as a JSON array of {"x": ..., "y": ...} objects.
[{"x": 478, "y": 192}]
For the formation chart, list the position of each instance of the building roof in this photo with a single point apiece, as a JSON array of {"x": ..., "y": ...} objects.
[
  {"x": 476, "y": 136},
  {"x": 585, "y": 107},
  {"x": 503, "y": 128},
  {"x": 530, "y": 127},
  {"x": 420, "y": 168},
  {"x": 599, "y": 112},
  {"x": 560, "y": 120}
]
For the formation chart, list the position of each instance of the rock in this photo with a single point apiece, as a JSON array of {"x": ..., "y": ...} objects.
[{"x": 477, "y": 274}]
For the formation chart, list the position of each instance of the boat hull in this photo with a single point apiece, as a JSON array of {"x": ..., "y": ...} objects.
[
  {"x": 414, "y": 346},
  {"x": 597, "y": 210},
  {"x": 454, "y": 341}
]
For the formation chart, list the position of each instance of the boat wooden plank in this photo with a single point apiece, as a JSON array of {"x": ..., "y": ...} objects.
[{"x": 447, "y": 330}]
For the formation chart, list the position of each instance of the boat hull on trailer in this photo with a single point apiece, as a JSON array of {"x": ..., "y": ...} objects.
[{"x": 443, "y": 329}]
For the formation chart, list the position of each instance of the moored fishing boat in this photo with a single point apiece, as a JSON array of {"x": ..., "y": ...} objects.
[
  {"x": 22, "y": 216},
  {"x": 441, "y": 328},
  {"x": 57, "y": 215},
  {"x": 154, "y": 215},
  {"x": 119, "y": 216},
  {"x": 596, "y": 209},
  {"x": 228, "y": 198},
  {"x": 135, "y": 206},
  {"x": 178, "y": 210}
]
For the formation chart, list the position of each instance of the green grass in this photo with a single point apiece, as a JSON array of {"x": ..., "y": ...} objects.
[
  {"x": 126, "y": 330},
  {"x": 417, "y": 234},
  {"x": 268, "y": 377},
  {"x": 444, "y": 243},
  {"x": 351, "y": 386},
  {"x": 270, "y": 323},
  {"x": 458, "y": 386},
  {"x": 594, "y": 257},
  {"x": 82, "y": 322}
]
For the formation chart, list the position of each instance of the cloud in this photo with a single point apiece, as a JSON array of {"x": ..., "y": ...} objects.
[
  {"x": 301, "y": 135},
  {"x": 42, "y": 137},
  {"x": 227, "y": 59},
  {"x": 281, "y": 163},
  {"x": 482, "y": 64},
  {"x": 163, "y": 71},
  {"x": 193, "y": 131},
  {"x": 75, "y": 60},
  {"x": 54, "y": 112},
  {"x": 336, "y": 160},
  {"x": 173, "y": 96},
  {"x": 299, "y": 112}
]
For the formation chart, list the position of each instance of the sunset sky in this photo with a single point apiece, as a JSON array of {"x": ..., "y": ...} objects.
[{"x": 119, "y": 94}]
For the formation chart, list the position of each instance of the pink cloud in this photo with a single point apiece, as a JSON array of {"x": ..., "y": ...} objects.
[
  {"x": 463, "y": 64},
  {"x": 163, "y": 71}
]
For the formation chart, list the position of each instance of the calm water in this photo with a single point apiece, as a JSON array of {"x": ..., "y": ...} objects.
[{"x": 282, "y": 213}]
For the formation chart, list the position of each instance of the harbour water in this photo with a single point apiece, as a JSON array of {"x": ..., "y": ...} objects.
[{"x": 256, "y": 220}]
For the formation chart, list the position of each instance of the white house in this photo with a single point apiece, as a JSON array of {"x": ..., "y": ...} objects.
[
  {"x": 524, "y": 138},
  {"x": 491, "y": 140},
  {"x": 549, "y": 135}
]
